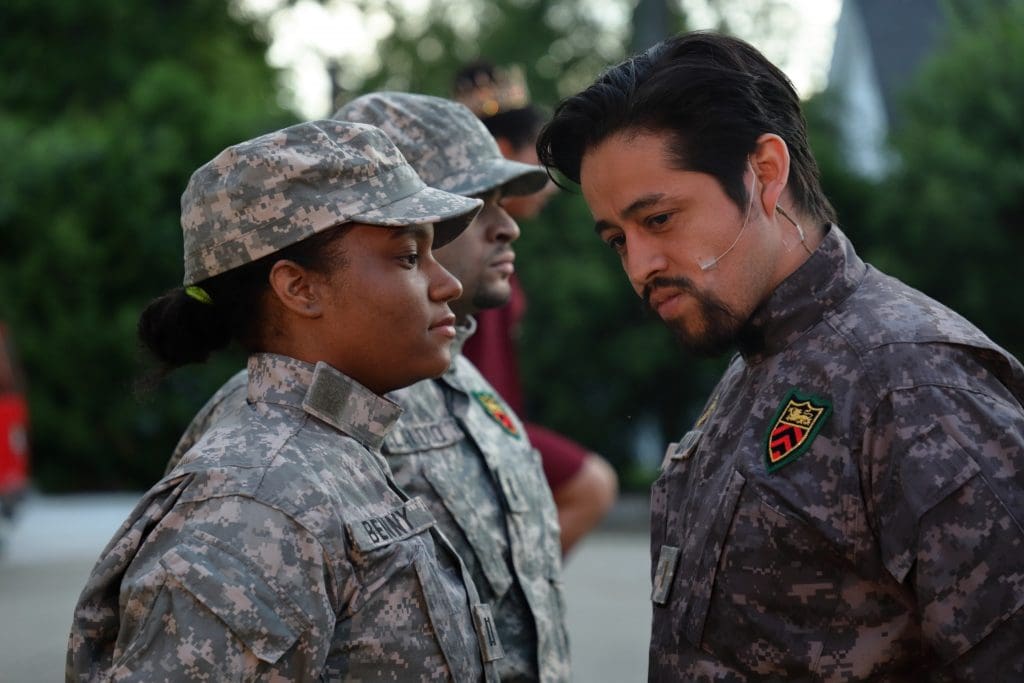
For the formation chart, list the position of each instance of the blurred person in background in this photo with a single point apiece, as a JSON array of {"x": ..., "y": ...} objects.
[
  {"x": 14, "y": 454},
  {"x": 849, "y": 506},
  {"x": 584, "y": 485},
  {"x": 458, "y": 446},
  {"x": 279, "y": 548}
]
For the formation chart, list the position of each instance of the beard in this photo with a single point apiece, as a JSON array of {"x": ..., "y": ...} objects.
[
  {"x": 491, "y": 296},
  {"x": 720, "y": 325}
]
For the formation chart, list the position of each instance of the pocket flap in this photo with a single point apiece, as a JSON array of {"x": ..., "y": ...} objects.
[{"x": 256, "y": 610}]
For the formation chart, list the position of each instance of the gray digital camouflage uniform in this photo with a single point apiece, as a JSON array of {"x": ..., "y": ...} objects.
[
  {"x": 482, "y": 480},
  {"x": 460, "y": 448},
  {"x": 849, "y": 505},
  {"x": 279, "y": 550},
  {"x": 463, "y": 451}
]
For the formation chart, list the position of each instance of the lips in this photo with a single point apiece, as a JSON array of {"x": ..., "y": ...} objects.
[
  {"x": 505, "y": 263},
  {"x": 445, "y": 326},
  {"x": 662, "y": 299}
]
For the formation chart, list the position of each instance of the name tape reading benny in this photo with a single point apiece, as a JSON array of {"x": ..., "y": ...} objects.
[{"x": 395, "y": 525}]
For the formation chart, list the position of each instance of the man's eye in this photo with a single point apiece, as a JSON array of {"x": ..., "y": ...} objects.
[
  {"x": 658, "y": 219},
  {"x": 410, "y": 259},
  {"x": 616, "y": 242}
]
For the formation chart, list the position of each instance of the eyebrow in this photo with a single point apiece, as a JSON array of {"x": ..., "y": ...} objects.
[
  {"x": 644, "y": 202},
  {"x": 418, "y": 231}
]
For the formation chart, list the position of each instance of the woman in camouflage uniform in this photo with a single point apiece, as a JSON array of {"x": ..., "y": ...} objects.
[{"x": 280, "y": 549}]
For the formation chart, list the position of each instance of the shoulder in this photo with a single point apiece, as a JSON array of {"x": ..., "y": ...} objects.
[
  {"x": 901, "y": 338},
  {"x": 230, "y": 397}
]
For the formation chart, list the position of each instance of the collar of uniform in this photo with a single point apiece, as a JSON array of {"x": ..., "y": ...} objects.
[
  {"x": 462, "y": 334},
  {"x": 344, "y": 403},
  {"x": 825, "y": 279},
  {"x": 324, "y": 393}
]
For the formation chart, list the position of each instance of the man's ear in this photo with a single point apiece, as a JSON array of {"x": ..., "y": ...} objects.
[
  {"x": 296, "y": 288},
  {"x": 770, "y": 162}
]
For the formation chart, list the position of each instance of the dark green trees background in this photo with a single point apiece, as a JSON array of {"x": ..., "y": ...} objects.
[{"x": 106, "y": 107}]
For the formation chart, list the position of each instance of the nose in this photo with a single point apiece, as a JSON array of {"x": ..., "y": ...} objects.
[
  {"x": 501, "y": 226},
  {"x": 643, "y": 260},
  {"x": 444, "y": 286}
]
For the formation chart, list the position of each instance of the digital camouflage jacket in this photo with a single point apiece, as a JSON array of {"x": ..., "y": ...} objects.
[
  {"x": 461, "y": 449},
  {"x": 849, "y": 505},
  {"x": 279, "y": 549}
]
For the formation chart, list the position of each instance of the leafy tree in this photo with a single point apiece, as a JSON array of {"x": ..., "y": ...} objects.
[
  {"x": 106, "y": 108},
  {"x": 949, "y": 219}
]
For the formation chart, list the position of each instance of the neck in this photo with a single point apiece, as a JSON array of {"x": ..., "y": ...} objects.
[{"x": 801, "y": 235}]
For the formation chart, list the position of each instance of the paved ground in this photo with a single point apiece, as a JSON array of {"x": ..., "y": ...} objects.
[{"x": 56, "y": 540}]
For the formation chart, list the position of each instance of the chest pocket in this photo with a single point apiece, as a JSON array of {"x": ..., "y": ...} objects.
[
  {"x": 404, "y": 585},
  {"x": 691, "y": 520},
  {"x": 260, "y": 614},
  {"x": 436, "y": 461}
]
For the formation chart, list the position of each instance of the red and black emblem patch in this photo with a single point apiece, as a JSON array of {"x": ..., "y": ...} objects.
[
  {"x": 798, "y": 421},
  {"x": 496, "y": 409}
]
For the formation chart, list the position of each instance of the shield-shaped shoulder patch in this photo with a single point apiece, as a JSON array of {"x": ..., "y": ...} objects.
[
  {"x": 798, "y": 420},
  {"x": 493, "y": 406}
]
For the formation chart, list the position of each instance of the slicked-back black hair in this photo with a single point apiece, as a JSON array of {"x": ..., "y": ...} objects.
[{"x": 713, "y": 94}]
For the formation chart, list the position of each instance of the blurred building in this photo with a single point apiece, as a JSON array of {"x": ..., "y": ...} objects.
[{"x": 880, "y": 44}]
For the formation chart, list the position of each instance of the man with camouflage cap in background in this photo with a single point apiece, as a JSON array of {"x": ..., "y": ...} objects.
[{"x": 458, "y": 445}]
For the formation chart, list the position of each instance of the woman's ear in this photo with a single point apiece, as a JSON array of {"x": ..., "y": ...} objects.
[
  {"x": 770, "y": 162},
  {"x": 296, "y": 289}
]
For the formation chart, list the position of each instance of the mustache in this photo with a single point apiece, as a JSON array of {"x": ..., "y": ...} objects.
[
  {"x": 502, "y": 251},
  {"x": 680, "y": 283}
]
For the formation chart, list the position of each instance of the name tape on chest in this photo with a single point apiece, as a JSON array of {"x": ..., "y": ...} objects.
[
  {"x": 496, "y": 410},
  {"x": 397, "y": 524},
  {"x": 418, "y": 437},
  {"x": 799, "y": 419}
]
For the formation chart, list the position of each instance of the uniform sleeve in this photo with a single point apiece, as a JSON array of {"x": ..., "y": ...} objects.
[
  {"x": 945, "y": 469},
  {"x": 229, "y": 397},
  {"x": 237, "y": 591}
]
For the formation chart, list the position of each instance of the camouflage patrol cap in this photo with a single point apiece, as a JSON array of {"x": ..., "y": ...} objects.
[
  {"x": 447, "y": 145},
  {"x": 262, "y": 195}
]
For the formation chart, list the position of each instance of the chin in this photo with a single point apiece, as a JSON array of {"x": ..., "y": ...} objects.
[
  {"x": 492, "y": 297},
  {"x": 437, "y": 369}
]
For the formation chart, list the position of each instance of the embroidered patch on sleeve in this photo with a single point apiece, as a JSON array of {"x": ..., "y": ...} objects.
[
  {"x": 798, "y": 421},
  {"x": 496, "y": 409}
]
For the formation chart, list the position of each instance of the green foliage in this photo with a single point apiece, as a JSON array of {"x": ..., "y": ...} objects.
[
  {"x": 105, "y": 109},
  {"x": 561, "y": 45},
  {"x": 950, "y": 216}
]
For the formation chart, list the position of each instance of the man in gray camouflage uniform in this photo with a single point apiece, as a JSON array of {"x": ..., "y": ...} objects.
[
  {"x": 280, "y": 548},
  {"x": 849, "y": 505},
  {"x": 458, "y": 446}
]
